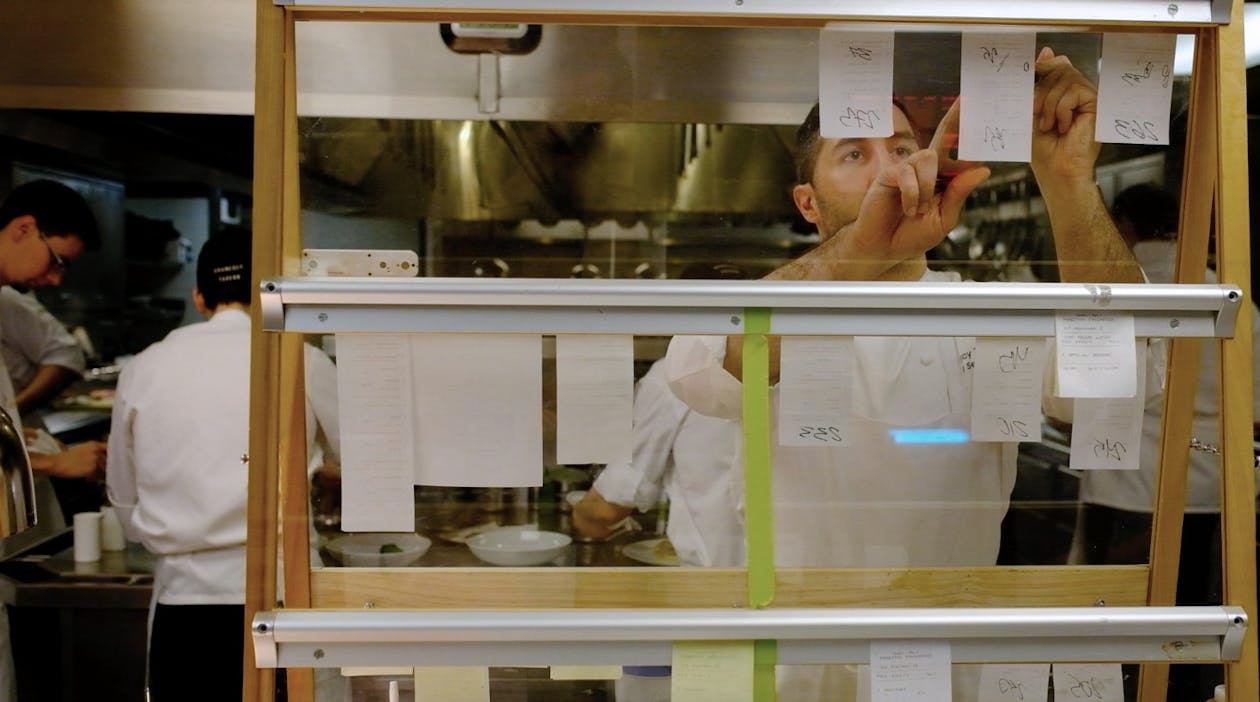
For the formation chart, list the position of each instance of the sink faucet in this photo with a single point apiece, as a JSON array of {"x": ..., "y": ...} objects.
[{"x": 17, "y": 508}]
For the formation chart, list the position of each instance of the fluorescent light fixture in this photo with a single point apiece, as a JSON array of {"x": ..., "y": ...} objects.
[
  {"x": 1251, "y": 42},
  {"x": 929, "y": 436}
]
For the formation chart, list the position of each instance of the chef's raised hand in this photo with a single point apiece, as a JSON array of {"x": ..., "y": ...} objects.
[
  {"x": 1065, "y": 109},
  {"x": 901, "y": 216}
]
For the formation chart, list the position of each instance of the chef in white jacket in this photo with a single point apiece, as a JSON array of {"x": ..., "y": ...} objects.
[
  {"x": 878, "y": 502},
  {"x": 178, "y": 469},
  {"x": 680, "y": 454}
]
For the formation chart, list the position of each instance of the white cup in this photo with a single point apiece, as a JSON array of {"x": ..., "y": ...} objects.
[
  {"x": 112, "y": 538},
  {"x": 87, "y": 537}
]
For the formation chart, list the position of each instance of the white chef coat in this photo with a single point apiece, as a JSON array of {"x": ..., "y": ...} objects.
[
  {"x": 690, "y": 457},
  {"x": 176, "y": 472},
  {"x": 33, "y": 337},
  {"x": 875, "y": 503},
  {"x": 1134, "y": 490}
]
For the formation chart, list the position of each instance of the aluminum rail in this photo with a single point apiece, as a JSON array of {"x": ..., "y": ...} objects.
[
  {"x": 1076, "y": 11},
  {"x": 568, "y": 306},
  {"x": 326, "y": 638}
]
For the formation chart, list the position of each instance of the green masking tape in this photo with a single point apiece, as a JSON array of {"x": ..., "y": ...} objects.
[
  {"x": 765, "y": 655},
  {"x": 758, "y": 515}
]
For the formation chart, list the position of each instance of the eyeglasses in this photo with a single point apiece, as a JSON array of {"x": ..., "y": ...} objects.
[{"x": 57, "y": 263}]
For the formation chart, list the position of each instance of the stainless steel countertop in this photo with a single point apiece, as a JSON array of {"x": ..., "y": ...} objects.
[{"x": 46, "y": 575}]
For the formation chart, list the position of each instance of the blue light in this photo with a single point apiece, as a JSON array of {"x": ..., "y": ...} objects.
[{"x": 930, "y": 436}]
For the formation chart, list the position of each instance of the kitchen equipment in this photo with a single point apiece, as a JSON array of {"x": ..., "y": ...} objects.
[
  {"x": 17, "y": 509},
  {"x": 519, "y": 546}
]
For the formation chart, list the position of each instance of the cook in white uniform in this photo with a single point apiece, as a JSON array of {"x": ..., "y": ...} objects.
[
  {"x": 41, "y": 355},
  {"x": 690, "y": 457},
  {"x": 873, "y": 203},
  {"x": 178, "y": 471},
  {"x": 44, "y": 227}
]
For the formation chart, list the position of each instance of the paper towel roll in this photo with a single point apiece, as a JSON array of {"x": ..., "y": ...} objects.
[
  {"x": 112, "y": 538},
  {"x": 87, "y": 536}
]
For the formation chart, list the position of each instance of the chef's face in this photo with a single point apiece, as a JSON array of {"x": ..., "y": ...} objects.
[
  {"x": 844, "y": 171},
  {"x": 36, "y": 259}
]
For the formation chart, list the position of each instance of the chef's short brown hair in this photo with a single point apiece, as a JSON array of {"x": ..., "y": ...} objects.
[{"x": 223, "y": 267}]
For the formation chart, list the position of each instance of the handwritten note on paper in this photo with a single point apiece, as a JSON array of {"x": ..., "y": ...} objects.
[
  {"x": 1094, "y": 682},
  {"x": 997, "y": 96},
  {"x": 594, "y": 397},
  {"x": 855, "y": 81},
  {"x": 478, "y": 400},
  {"x": 1006, "y": 389},
  {"x": 712, "y": 671},
  {"x": 1011, "y": 682},
  {"x": 910, "y": 671},
  {"x": 452, "y": 684},
  {"x": 1106, "y": 433},
  {"x": 1135, "y": 88},
  {"x": 377, "y": 449},
  {"x": 1095, "y": 354},
  {"x": 815, "y": 391}
]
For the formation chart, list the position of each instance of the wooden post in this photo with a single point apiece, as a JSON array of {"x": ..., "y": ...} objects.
[{"x": 1233, "y": 248}]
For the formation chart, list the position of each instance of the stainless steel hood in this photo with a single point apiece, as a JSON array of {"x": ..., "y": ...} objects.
[{"x": 658, "y": 124}]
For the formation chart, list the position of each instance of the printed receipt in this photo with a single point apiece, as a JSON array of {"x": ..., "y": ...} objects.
[
  {"x": 855, "y": 82},
  {"x": 1095, "y": 354},
  {"x": 377, "y": 447},
  {"x": 452, "y": 684},
  {"x": 478, "y": 400},
  {"x": 594, "y": 397},
  {"x": 815, "y": 391},
  {"x": 910, "y": 671},
  {"x": 712, "y": 671}
]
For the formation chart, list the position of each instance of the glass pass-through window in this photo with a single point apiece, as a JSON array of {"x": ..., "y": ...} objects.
[{"x": 651, "y": 154}]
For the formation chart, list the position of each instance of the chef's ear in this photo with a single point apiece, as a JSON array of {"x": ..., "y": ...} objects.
[
  {"x": 23, "y": 226},
  {"x": 199, "y": 301},
  {"x": 803, "y": 196}
]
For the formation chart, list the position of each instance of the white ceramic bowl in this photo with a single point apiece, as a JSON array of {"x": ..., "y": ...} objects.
[
  {"x": 518, "y": 546},
  {"x": 364, "y": 549}
]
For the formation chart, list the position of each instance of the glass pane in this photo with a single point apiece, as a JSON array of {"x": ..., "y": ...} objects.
[{"x": 674, "y": 162}]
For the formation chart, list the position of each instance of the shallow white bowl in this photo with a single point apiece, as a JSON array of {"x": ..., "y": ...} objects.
[
  {"x": 518, "y": 546},
  {"x": 364, "y": 549}
]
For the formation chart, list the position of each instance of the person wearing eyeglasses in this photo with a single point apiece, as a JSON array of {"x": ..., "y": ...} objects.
[{"x": 44, "y": 227}]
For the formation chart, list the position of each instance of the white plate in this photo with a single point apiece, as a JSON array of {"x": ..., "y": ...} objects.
[
  {"x": 364, "y": 549},
  {"x": 645, "y": 552},
  {"x": 519, "y": 546}
]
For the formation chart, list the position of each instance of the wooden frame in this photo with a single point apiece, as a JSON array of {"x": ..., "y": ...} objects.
[{"x": 1215, "y": 185}]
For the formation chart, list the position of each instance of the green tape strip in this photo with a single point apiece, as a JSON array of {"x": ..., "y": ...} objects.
[
  {"x": 758, "y": 514},
  {"x": 765, "y": 656}
]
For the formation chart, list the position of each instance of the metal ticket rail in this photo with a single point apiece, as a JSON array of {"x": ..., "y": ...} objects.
[
  {"x": 315, "y": 638},
  {"x": 1182, "y": 12},
  {"x": 576, "y": 306}
]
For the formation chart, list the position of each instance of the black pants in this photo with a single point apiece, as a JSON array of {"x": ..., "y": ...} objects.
[{"x": 196, "y": 652}]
